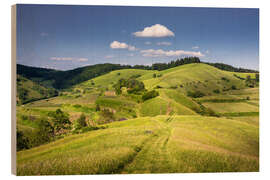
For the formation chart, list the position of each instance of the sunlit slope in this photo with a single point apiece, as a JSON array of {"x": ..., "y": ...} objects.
[
  {"x": 160, "y": 144},
  {"x": 107, "y": 80},
  {"x": 169, "y": 102},
  {"x": 194, "y": 76},
  {"x": 189, "y": 77}
]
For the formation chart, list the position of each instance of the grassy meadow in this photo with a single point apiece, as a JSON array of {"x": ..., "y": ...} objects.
[{"x": 201, "y": 119}]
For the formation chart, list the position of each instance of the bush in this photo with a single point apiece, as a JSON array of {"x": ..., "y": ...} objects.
[
  {"x": 195, "y": 94},
  {"x": 158, "y": 87},
  {"x": 217, "y": 91},
  {"x": 173, "y": 87},
  {"x": 22, "y": 141},
  {"x": 154, "y": 75},
  {"x": 233, "y": 87},
  {"x": 41, "y": 135},
  {"x": 45, "y": 131},
  {"x": 134, "y": 86},
  {"x": 150, "y": 95},
  {"x": 225, "y": 79},
  {"x": 97, "y": 107},
  {"x": 80, "y": 122},
  {"x": 60, "y": 120},
  {"x": 106, "y": 116}
]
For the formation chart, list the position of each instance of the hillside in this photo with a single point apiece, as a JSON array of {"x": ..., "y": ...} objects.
[
  {"x": 150, "y": 145},
  {"x": 203, "y": 119},
  {"x": 28, "y": 91},
  {"x": 65, "y": 79}
]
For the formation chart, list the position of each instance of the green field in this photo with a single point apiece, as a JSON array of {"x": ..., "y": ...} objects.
[
  {"x": 173, "y": 132},
  {"x": 150, "y": 145}
]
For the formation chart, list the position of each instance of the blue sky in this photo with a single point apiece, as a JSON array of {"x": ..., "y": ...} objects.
[{"x": 67, "y": 37}]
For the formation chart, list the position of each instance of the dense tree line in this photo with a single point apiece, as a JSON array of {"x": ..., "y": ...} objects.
[{"x": 227, "y": 67}]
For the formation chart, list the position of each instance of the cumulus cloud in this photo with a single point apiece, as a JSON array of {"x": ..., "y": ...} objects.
[
  {"x": 156, "y": 30},
  {"x": 207, "y": 51},
  {"x": 69, "y": 59},
  {"x": 162, "y": 53},
  {"x": 119, "y": 45},
  {"x": 195, "y": 47},
  {"x": 164, "y": 43}
]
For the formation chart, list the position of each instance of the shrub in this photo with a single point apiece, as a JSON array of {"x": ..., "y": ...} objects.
[
  {"x": 60, "y": 120},
  {"x": 80, "y": 122},
  {"x": 195, "y": 94},
  {"x": 106, "y": 116},
  {"x": 173, "y": 87},
  {"x": 225, "y": 79},
  {"x": 154, "y": 75},
  {"x": 217, "y": 91},
  {"x": 158, "y": 87},
  {"x": 97, "y": 107},
  {"x": 233, "y": 87},
  {"x": 133, "y": 86},
  {"x": 135, "y": 76},
  {"x": 21, "y": 140},
  {"x": 150, "y": 95},
  {"x": 44, "y": 132}
]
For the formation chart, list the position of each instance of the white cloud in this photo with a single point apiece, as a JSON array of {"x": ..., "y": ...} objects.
[
  {"x": 119, "y": 45},
  {"x": 147, "y": 43},
  {"x": 195, "y": 47},
  {"x": 82, "y": 59},
  {"x": 131, "y": 48},
  {"x": 164, "y": 43},
  {"x": 162, "y": 53},
  {"x": 69, "y": 59},
  {"x": 61, "y": 58},
  {"x": 207, "y": 51},
  {"x": 156, "y": 30},
  {"x": 109, "y": 56},
  {"x": 131, "y": 55}
]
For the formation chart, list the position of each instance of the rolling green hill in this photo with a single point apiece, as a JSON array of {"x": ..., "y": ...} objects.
[
  {"x": 203, "y": 120},
  {"x": 28, "y": 91}
]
